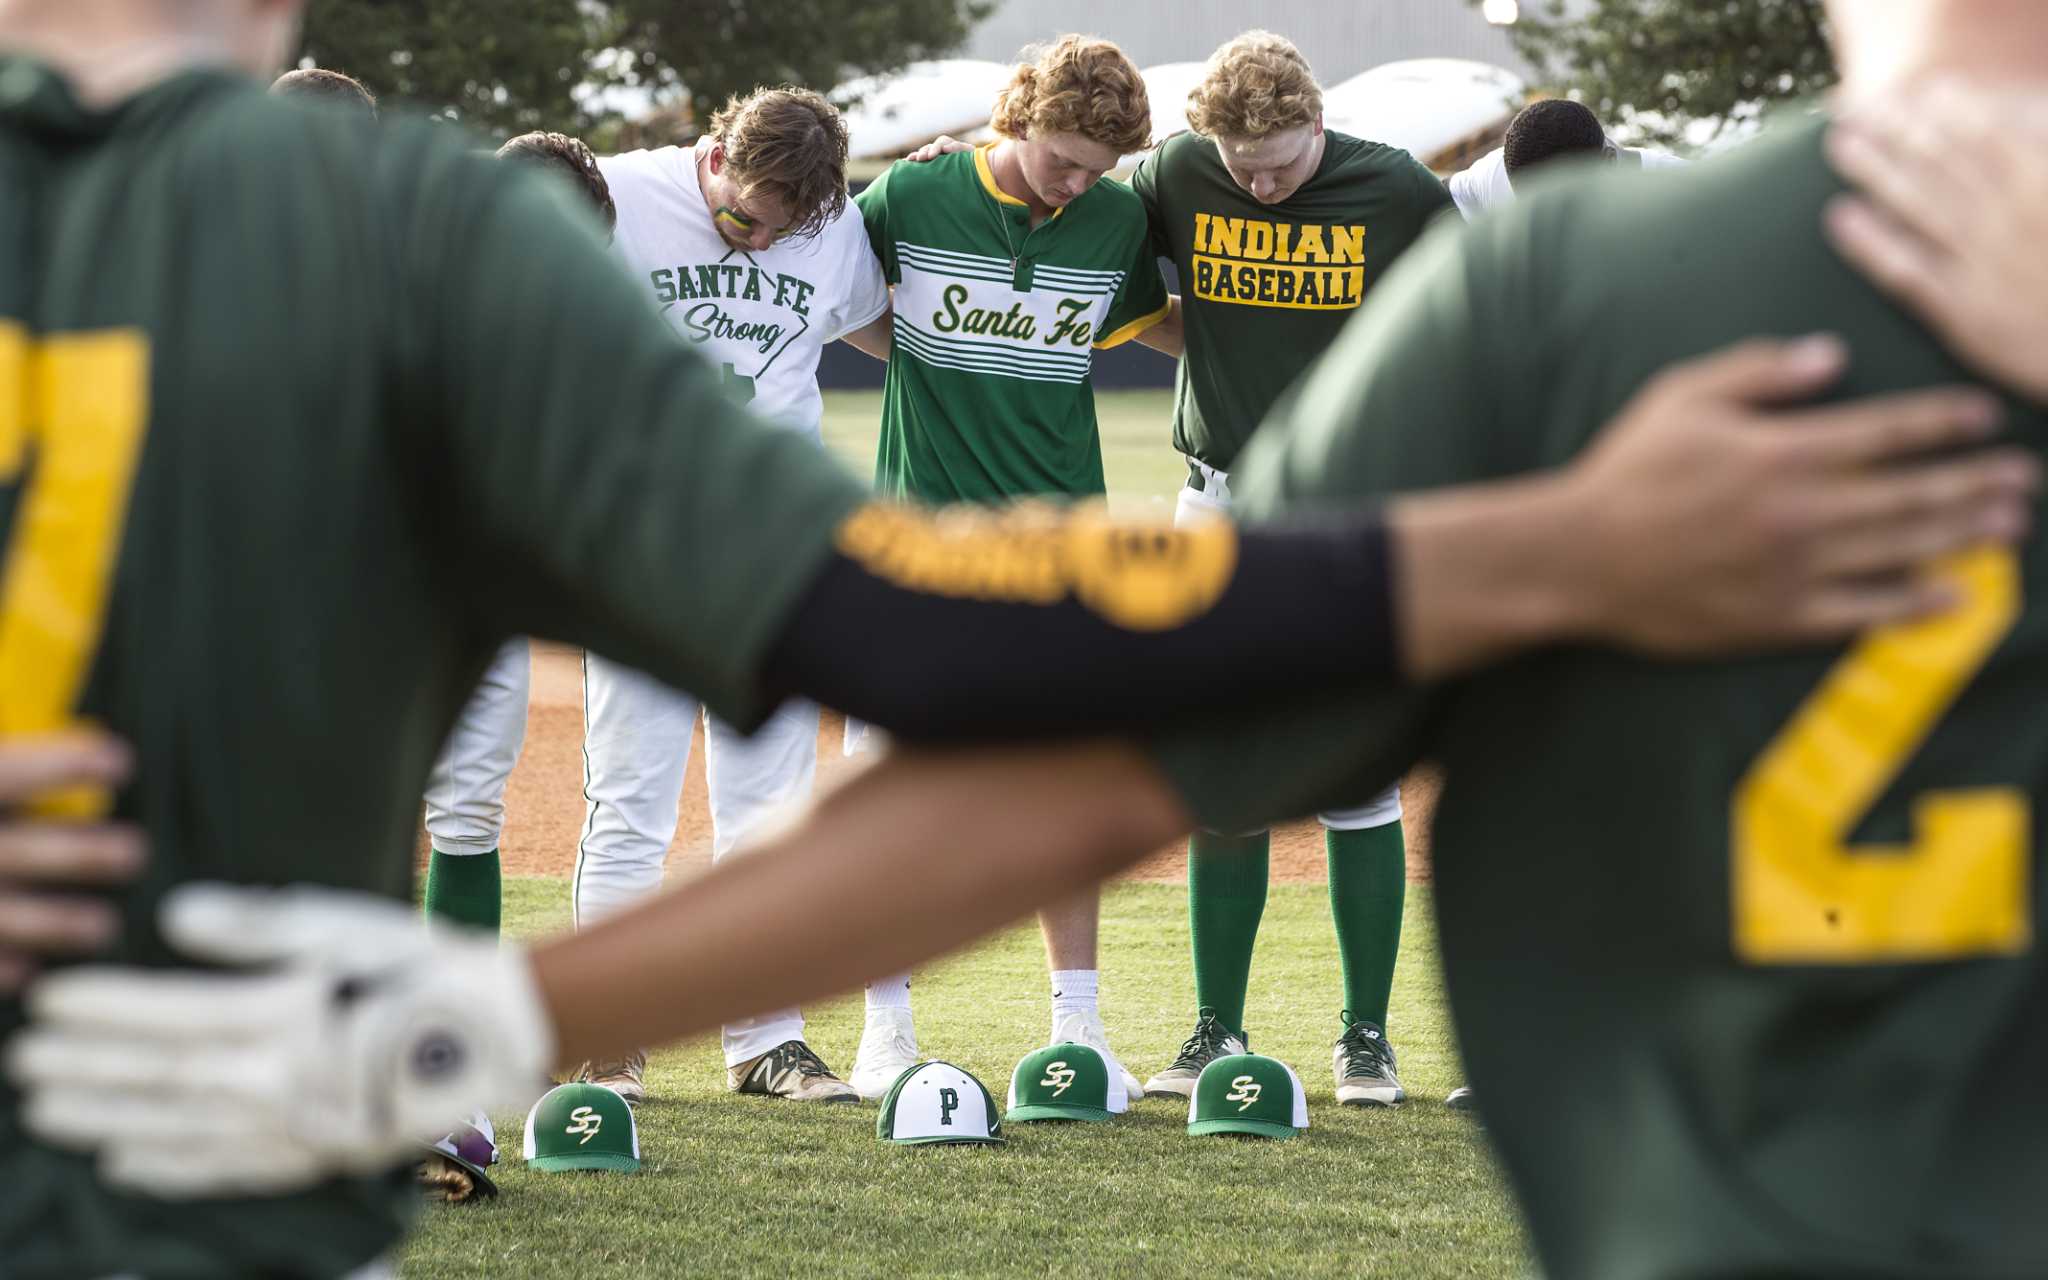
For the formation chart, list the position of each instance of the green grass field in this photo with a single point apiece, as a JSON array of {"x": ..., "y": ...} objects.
[{"x": 751, "y": 1186}]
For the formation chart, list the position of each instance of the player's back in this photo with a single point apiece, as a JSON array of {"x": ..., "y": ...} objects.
[
  {"x": 287, "y": 446},
  {"x": 1743, "y": 953}
]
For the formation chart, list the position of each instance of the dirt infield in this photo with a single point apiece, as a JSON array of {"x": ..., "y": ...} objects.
[{"x": 544, "y": 804}]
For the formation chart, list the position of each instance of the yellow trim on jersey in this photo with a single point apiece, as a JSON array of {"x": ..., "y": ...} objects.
[
  {"x": 1135, "y": 327},
  {"x": 988, "y": 177},
  {"x": 988, "y": 180}
]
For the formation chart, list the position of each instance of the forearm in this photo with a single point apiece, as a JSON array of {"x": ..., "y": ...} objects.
[
  {"x": 874, "y": 880},
  {"x": 1482, "y": 571},
  {"x": 975, "y": 626},
  {"x": 1167, "y": 335},
  {"x": 876, "y": 338}
]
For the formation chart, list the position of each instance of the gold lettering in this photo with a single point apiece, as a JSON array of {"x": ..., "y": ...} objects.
[{"x": 1347, "y": 245}]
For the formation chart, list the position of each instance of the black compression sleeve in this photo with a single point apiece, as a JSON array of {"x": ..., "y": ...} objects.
[{"x": 1307, "y": 606}]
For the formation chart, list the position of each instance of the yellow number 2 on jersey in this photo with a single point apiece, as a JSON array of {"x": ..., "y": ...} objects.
[
  {"x": 1802, "y": 894},
  {"x": 72, "y": 412}
]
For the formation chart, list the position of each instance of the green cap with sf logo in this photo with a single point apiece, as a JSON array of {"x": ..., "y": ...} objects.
[
  {"x": 938, "y": 1102},
  {"x": 1065, "y": 1082},
  {"x": 1248, "y": 1093},
  {"x": 582, "y": 1126}
]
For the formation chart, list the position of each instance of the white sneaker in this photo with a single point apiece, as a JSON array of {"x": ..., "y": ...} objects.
[
  {"x": 888, "y": 1048},
  {"x": 1086, "y": 1028}
]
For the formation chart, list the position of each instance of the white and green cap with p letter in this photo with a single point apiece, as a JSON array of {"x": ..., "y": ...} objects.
[
  {"x": 1248, "y": 1093},
  {"x": 938, "y": 1102},
  {"x": 582, "y": 1126},
  {"x": 1065, "y": 1082}
]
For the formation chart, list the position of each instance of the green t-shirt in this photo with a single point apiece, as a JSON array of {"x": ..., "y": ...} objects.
[
  {"x": 1265, "y": 288},
  {"x": 988, "y": 394},
  {"x": 344, "y": 406},
  {"x": 1740, "y": 951}
]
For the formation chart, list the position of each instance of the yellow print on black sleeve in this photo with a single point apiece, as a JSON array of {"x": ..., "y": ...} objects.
[
  {"x": 1139, "y": 576},
  {"x": 1255, "y": 263}
]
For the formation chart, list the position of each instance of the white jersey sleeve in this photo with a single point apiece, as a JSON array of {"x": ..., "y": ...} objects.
[
  {"x": 867, "y": 291},
  {"x": 1483, "y": 186}
]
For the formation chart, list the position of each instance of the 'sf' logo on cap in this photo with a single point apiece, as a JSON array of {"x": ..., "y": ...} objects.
[
  {"x": 1244, "y": 1091},
  {"x": 1059, "y": 1076},
  {"x": 588, "y": 1122}
]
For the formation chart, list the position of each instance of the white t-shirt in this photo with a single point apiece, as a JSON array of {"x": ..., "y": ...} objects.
[
  {"x": 763, "y": 317},
  {"x": 1485, "y": 185}
]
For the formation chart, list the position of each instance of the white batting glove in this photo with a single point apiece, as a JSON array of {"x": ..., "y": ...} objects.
[{"x": 368, "y": 1032}]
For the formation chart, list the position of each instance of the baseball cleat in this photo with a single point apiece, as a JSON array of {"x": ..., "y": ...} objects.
[
  {"x": 1461, "y": 1099},
  {"x": 1086, "y": 1028},
  {"x": 789, "y": 1070},
  {"x": 1210, "y": 1041},
  {"x": 623, "y": 1077},
  {"x": 888, "y": 1048},
  {"x": 1364, "y": 1064}
]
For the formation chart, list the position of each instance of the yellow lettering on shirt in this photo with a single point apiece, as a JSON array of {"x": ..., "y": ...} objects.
[{"x": 1299, "y": 266}]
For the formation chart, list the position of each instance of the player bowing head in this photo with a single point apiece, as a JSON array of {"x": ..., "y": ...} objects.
[
  {"x": 1260, "y": 104},
  {"x": 776, "y": 167},
  {"x": 560, "y": 154},
  {"x": 1067, "y": 117}
]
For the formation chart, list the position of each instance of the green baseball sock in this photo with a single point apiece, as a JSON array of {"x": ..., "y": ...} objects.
[
  {"x": 1368, "y": 884},
  {"x": 463, "y": 888},
  {"x": 1226, "y": 897}
]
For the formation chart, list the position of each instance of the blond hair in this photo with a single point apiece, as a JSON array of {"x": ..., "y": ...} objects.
[
  {"x": 1078, "y": 84},
  {"x": 790, "y": 145},
  {"x": 1255, "y": 86}
]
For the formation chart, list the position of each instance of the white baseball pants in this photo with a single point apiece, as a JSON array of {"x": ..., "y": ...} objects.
[{"x": 636, "y": 746}]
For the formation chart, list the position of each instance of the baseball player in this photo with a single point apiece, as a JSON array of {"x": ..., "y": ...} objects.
[
  {"x": 1279, "y": 229},
  {"x": 760, "y": 291},
  {"x": 1013, "y": 264},
  {"x": 465, "y": 793},
  {"x": 324, "y": 488},
  {"x": 1549, "y": 129},
  {"x": 748, "y": 246}
]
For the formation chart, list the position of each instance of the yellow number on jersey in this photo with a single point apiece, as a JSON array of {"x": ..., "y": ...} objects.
[
  {"x": 1802, "y": 894},
  {"x": 73, "y": 409}
]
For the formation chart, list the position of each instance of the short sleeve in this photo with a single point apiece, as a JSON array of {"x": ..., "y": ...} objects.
[
  {"x": 1392, "y": 406},
  {"x": 1145, "y": 181},
  {"x": 867, "y": 289},
  {"x": 595, "y": 484},
  {"x": 1140, "y": 301},
  {"x": 873, "y": 204}
]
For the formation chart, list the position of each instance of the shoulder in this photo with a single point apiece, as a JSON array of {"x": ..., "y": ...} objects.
[
  {"x": 1364, "y": 158},
  {"x": 1185, "y": 149},
  {"x": 921, "y": 178}
]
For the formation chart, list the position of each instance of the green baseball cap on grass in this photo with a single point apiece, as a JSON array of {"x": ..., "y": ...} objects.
[
  {"x": 1065, "y": 1082},
  {"x": 938, "y": 1102},
  {"x": 582, "y": 1126},
  {"x": 1248, "y": 1093}
]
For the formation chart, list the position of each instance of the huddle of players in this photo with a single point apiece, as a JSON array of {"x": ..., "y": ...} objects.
[
  {"x": 963, "y": 424},
  {"x": 1725, "y": 986}
]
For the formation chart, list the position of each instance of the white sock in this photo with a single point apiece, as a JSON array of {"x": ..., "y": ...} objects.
[
  {"x": 1073, "y": 991},
  {"x": 889, "y": 993}
]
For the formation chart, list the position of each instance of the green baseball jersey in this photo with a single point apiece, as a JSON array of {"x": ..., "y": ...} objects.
[
  {"x": 301, "y": 417},
  {"x": 1265, "y": 288},
  {"x": 988, "y": 394},
  {"x": 1743, "y": 953}
]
